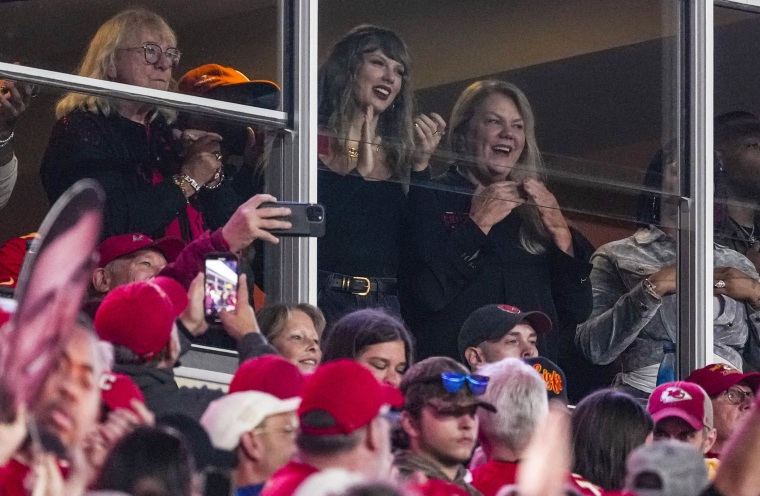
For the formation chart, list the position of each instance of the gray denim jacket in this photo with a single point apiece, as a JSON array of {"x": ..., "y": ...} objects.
[{"x": 629, "y": 323}]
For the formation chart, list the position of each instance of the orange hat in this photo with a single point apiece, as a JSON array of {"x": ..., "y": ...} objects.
[{"x": 229, "y": 85}]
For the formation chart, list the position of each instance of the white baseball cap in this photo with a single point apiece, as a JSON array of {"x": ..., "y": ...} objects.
[{"x": 231, "y": 416}]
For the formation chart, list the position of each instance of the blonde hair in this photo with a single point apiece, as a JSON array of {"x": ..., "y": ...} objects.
[
  {"x": 533, "y": 235},
  {"x": 101, "y": 55}
]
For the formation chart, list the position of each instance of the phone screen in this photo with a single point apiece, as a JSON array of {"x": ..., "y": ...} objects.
[{"x": 221, "y": 285}]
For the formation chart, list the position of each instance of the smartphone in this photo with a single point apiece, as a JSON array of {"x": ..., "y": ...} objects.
[
  {"x": 307, "y": 219},
  {"x": 221, "y": 284}
]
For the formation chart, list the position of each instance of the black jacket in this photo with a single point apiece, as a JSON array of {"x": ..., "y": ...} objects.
[
  {"x": 123, "y": 156},
  {"x": 163, "y": 395},
  {"x": 453, "y": 268}
]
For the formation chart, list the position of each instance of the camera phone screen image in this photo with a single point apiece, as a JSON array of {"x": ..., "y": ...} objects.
[{"x": 221, "y": 285}]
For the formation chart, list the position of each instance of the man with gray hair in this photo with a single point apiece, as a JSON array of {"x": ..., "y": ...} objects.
[{"x": 519, "y": 394}]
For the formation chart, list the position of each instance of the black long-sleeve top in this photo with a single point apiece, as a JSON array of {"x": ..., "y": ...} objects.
[
  {"x": 453, "y": 269},
  {"x": 124, "y": 157}
]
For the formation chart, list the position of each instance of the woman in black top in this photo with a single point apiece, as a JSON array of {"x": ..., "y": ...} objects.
[
  {"x": 488, "y": 230},
  {"x": 366, "y": 151}
]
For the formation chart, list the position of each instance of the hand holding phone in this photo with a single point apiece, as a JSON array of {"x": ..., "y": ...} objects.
[
  {"x": 220, "y": 285},
  {"x": 242, "y": 320},
  {"x": 307, "y": 219}
]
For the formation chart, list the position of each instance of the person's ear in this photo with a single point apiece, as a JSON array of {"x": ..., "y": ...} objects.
[
  {"x": 249, "y": 443},
  {"x": 101, "y": 280},
  {"x": 111, "y": 70},
  {"x": 372, "y": 435},
  {"x": 474, "y": 357},
  {"x": 410, "y": 425},
  {"x": 710, "y": 439},
  {"x": 719, "y": 165},
  {"x": 175, "y": 347}
]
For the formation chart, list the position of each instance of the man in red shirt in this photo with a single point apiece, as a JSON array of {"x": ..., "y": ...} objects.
[
  {"x": 343, "y": 425},
  {"x": 519, "y": 394}
]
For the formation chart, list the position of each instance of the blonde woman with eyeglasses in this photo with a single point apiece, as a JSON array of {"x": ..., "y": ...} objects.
[{"x": 158, "y": 181}]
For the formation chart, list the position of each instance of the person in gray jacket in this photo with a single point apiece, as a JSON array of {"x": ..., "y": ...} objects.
[{"x": 634, "y": 286}]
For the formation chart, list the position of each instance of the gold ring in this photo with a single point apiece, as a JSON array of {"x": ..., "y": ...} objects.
[{"x": 218, "y": 156}]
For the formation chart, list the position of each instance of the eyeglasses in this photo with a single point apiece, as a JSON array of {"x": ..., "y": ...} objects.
[
  {"x": 153, "y": 53},
  {"x": 453, "y": 382},
  {"x": 738, "y": 396},
  {"x": 288, "y": 429}
]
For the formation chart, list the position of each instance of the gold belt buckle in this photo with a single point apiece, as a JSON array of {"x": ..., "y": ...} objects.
[{"x": 366, "y": 281}]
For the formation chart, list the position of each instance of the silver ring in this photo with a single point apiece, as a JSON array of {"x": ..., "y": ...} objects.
[
  {"x": 218, "y": 156},
  {"x": 720, "y": 284}
]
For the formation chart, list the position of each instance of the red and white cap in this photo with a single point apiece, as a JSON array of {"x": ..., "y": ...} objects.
[{"x": 684, "y": 400}]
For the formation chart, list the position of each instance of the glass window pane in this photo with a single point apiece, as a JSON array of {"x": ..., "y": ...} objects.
[
  {"x": 530, "y": 177},
  {"x": 243, "y": 35},
  {"x": 736, "y": 141}
]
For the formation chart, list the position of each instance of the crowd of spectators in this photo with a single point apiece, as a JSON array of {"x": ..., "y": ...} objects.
[{"x": 450, "y": 307}]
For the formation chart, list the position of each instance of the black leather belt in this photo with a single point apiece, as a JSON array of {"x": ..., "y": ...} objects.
[{"x": 360, "y": 286}]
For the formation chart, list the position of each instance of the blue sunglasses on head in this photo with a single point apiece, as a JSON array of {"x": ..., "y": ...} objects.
[{"x": 453, "y": 382}]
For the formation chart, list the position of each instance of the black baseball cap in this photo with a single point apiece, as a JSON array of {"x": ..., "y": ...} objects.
[{"x": 494, "y": 321}]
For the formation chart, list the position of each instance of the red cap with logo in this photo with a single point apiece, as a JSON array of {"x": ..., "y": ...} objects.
[
  {"x": 118, "y": 391},
  {"x": 718, "y": 377},
  {"x": 140, "y": 315},
  {"x": 684, "y": 400},
  {"x": 269, "y": 374},
  {"x": 12, "y": 255},
  {"x": 347, "y": 392},
  {"x": 126, "y": 244}
]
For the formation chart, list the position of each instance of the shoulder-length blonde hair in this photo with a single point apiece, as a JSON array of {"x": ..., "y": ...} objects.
[
  {"x": 101, "y": 54},
  {"x": 337, "y": 101},
  {"x": 533, "y": 235}
]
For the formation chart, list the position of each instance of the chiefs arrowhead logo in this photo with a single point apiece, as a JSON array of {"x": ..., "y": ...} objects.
[
  {"x": 674, "y": 395},
  {"x": 137, "y": 237},
  {"x": 509, "y": 308}
]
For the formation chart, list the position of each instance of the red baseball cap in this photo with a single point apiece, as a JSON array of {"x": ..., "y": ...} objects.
[
  {"x": 118, "y": 391},
  {"x": 718, "y": 377},
  {"x": 227, "y": 84},
  {"x": 140, "y": 315},
  {"x": 126, "y": 244},
  {"x": 12, "y": 255},
  {"x": 684, "y": 400},
  {"x": 349, "y": 393},
  {"x": 269, "y": 374}
]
